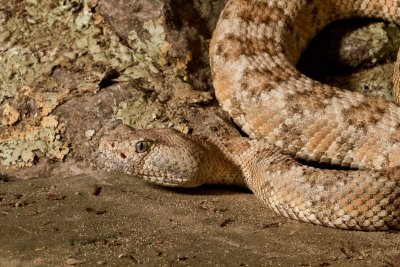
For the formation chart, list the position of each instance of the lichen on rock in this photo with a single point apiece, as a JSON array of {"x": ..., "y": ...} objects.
[{"x": 21, "y": 147}]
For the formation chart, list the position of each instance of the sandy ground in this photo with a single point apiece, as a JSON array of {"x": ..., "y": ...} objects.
[{"x": 115, "y": 220}]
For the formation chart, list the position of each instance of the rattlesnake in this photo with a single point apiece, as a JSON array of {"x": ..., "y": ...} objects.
[{"x": 253, "y": 51}]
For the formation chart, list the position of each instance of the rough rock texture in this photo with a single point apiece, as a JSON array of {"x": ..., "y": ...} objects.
[{"x": 56, "y": 115}]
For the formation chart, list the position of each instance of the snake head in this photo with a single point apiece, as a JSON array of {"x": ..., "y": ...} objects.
[{"x": 161, "y": 156}]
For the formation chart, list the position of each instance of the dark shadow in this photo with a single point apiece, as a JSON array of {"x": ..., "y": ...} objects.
[
  {"x": 328, "y": 54},
  {"x": 206, "y": 190}
]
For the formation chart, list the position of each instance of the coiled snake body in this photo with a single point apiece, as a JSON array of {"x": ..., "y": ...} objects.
[{"x": 254, "y": 49}]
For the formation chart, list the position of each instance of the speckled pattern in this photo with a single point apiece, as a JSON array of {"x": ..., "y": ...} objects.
[
  {"x": 253, "y": 52},
  {"x": 359, "y": 200}
]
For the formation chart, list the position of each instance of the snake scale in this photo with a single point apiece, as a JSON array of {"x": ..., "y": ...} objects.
[{"x": 290, "y": 118}]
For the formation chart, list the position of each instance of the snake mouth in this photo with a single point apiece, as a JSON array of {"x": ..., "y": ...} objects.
[
  {"x": 168, "y": 180},
  {"x": 164, "y": 178}
]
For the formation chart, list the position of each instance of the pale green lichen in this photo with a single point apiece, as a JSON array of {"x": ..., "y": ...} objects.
[
  {"x": 21, "y": 151},
  {"x": 89, "y": 134},
  {"x": 84, "y": 18},
  {"x": 139, "y": 112},
  {"x": 29, "y": 52},
  {"x": 149, "y": 49}
]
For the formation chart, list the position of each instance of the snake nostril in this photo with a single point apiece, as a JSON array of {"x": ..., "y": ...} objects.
[
  {"x": 112, "y": 145},
  {"x": 122, "y": 155}
]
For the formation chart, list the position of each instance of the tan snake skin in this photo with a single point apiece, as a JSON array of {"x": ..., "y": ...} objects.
[
  {"x": 254, "y": 49},
  {"x": 253, "y": 52}
]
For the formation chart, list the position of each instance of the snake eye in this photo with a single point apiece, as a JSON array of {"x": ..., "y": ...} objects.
[{"x": 142, "y": 146}]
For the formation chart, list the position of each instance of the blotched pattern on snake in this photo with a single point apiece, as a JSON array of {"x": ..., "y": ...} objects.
[{"x": 253, "y": 51}]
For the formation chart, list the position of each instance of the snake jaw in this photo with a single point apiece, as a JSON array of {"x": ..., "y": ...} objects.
[
  {"x": 159, "y": 180},
  {"x": 151, "y": 155},
  {"x": 253, "y": 53},
  {"x": 166, "y": 178},
  {"x": 358, "y": 200}
]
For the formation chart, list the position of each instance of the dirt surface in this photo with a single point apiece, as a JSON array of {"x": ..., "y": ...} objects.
[
  {"x": 70, "y": 69},
  {"x": 117, "y": 220}
]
